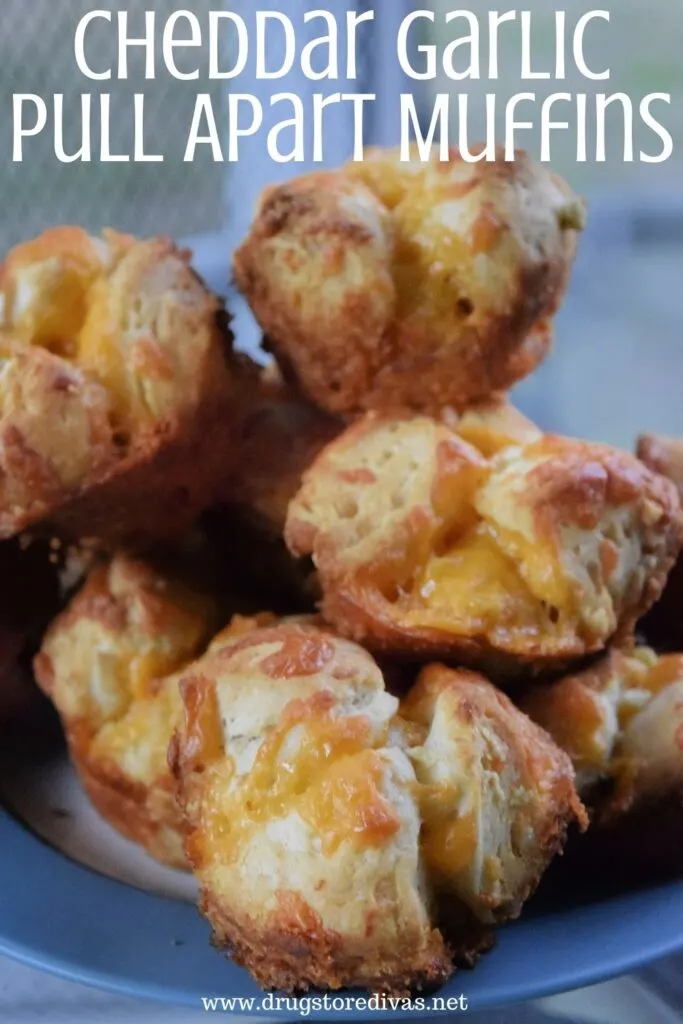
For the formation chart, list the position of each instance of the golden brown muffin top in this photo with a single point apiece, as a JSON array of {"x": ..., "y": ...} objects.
[
  {"x": 424, "y": 285},
  {"x": 541, "y": 552}
]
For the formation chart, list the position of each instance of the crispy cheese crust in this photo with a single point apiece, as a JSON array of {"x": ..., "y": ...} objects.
[
  {"x": 108, "y": 664},
  {"x": 303, "y": 781},
  {"x": 621, "y": 721},
  {"x": 115, "y": 366},
  {"x": 528, "y": 558},
  {"x": 422, "y": 285}
]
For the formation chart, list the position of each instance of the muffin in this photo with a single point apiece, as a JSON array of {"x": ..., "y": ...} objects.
[
  {"x": 117, "y": 390},
  {"x": 422, "y": 285},
  {"x": 521, "y": 560},
  {"x": 109, "y": 665},
  {"x": 663, "y": 627},
  {"x": 303, "y": 780}
]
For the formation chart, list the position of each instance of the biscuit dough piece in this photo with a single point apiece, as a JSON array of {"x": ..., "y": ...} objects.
[
  {"x": 117, "y": 390},
  {"x": 420, "y": 285},
  {"x": 526, "y": 558}
]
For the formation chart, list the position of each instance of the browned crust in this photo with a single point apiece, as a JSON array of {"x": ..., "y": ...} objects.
[
  {"x": 146, "y": 816},
  {"x": 294, "y": 952},
  {"x": 279, "y": 435}
]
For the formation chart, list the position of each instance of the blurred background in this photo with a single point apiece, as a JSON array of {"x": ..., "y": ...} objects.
[{"x": 618, "y": 364}]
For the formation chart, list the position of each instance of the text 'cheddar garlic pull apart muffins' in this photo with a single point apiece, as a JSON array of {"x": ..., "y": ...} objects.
[
  {"x": 621, "y": 721},
  {"x": 107, "y": 663},
  {"x": 116, "y": 389},
  {"x": 528, "y": 558},
  {"x": 325, "y": 828},
  {"x": 423, "y": 285}
]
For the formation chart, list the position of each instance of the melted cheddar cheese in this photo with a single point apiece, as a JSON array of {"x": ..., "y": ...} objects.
[
  {"x": 45, "y": 286},
  {"x": 314, "y": 764},
  {"x": 449, "y": 836},
  {"x": 164, "y": 628},
  {"x": 139, "y": 741},
  {"x": 98, "y": 349},
  {"x": 578, "y": 728}
]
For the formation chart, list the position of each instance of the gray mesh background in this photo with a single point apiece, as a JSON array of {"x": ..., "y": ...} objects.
[{"x": 36, "y": 56}]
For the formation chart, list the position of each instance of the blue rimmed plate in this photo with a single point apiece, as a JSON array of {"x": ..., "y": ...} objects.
[{"x": 70, "y": 919}]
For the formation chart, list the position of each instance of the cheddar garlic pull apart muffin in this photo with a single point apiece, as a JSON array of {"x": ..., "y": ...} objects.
[
  {"x": 108, "y": 663},
  {"x": 621, "y": 721},
  {"x": 505, "y": 553},
  {"x": 303, "y": 786},
  {"x": 425, "y": 285},
  {"x": 116, "y": 390}
]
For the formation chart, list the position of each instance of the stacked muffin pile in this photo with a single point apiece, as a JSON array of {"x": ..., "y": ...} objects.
[{"x": 369, "y": 781}]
